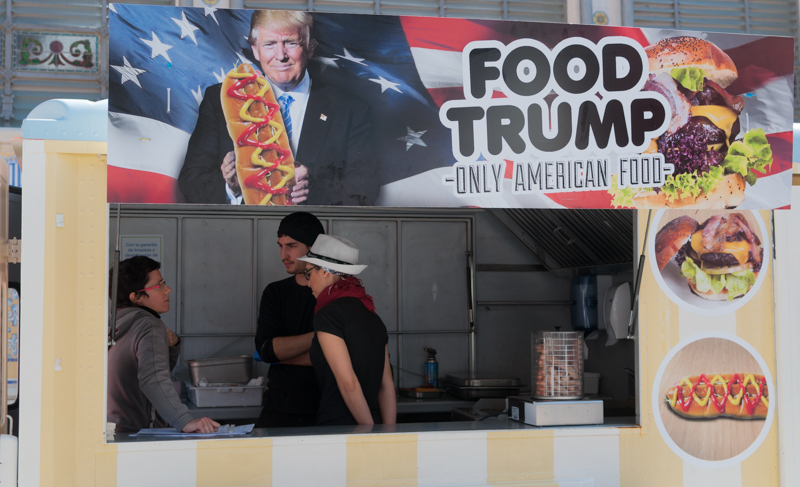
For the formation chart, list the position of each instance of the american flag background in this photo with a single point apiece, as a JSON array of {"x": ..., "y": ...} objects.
[{"x": 163, "y": 58}]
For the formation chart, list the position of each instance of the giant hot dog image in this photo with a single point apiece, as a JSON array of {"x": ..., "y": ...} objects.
[
  {"x": 264, "y": 161},
  {"x": 740, "y": 396}
]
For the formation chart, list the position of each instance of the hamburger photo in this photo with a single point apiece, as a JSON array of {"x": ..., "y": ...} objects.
[
  {"x": 711, "y": 166},
  {"x": 720, "y": 258}
]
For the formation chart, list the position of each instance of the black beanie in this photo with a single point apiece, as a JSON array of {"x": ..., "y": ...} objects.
[{"x": 301, "y": 226}]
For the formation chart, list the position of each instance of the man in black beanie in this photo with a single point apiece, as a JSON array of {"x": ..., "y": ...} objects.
[{"x": 285, "y": 328}]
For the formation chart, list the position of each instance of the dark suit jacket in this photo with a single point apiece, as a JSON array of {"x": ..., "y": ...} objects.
[{"x": 337, "y": 151}]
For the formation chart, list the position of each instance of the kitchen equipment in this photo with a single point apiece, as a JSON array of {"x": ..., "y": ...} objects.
[
  {"x": 476, "y": 388},
  {"x": 591, "y": 383},
  {"x": 421, "y": 392},
  {"x": 220, "y": 395},
  {"x": 431, "y": 369},
  {"x": 557, "y": 364},
  {"x": 554, "y": 413},
  {"x": 223, "y": 369}
]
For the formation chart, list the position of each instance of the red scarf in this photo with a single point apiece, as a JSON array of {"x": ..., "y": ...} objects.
[{"x": 349, "y": 287}]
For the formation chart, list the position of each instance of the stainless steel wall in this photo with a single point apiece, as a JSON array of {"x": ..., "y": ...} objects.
[{"x": 218, "y": 260}]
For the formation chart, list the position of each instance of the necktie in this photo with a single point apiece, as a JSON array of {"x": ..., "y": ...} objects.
[{"x": 286, "y": 101}]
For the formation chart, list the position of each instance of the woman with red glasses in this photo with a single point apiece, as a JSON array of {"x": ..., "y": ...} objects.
[
  {"x": 349, "y": 350},
  {"x": 140, "y": 392}
]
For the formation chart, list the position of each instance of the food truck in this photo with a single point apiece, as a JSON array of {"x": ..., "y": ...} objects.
[{"x": 485, "y": 257}]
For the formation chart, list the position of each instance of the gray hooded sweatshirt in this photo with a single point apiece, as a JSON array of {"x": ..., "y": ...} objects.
[{"x": 139, "y": 383}]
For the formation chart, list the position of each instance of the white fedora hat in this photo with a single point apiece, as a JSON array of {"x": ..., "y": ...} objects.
[{"x": 335, "y": 253}]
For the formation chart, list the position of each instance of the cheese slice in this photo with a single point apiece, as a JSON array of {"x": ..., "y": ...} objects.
[
  {"x": 721, "y": 116},
  {"x": 740, "y": 250}
]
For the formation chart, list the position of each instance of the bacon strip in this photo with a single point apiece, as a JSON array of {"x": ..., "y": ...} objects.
[
  {"x": 712, "y": 238},
  {"x": 751, "y": 237}
]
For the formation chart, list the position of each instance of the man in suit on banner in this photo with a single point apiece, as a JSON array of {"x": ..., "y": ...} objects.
[{"x": 329, "y": 130}]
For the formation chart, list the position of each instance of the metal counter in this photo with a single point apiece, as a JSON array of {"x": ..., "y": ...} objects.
[{"x": 501, "y": 423}]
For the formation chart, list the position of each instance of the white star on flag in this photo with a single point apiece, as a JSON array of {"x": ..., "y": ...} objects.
[
  {"x": 128, "y": 72},
  {"x": 221, "y": 76},
  {"x": 243, "y": 59},
  {"x": 413, "y": 138},
  {"x": 350, "y": 57},
  {"x": 386, "y": 84},
  {"x": 158, "y": 47},
  {"x": 198, "y": 95},
  {"x": 187, "y": 28},
  {"x": 326, "y": 62},
  {"x": 210, "y": 11},
  {"x": 112, "y": 8}
]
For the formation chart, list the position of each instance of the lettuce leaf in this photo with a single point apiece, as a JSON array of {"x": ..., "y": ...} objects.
[
  {"x": 621, "y": 197},
  {"x": 751, "y": 153},
  {"x": 739, "y": 282},
  {"x": 690, "y": 78},
  {"x": 691, "y": 184},
  {"x": 702, "y": 281}
]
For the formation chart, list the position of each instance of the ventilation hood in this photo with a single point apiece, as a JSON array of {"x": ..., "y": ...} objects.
[{"x": 574, "y": 242}]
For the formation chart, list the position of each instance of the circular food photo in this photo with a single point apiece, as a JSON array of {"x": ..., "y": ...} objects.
[
  {"x": 712, "y": 399},
  {"x": 710, "y": 262}
]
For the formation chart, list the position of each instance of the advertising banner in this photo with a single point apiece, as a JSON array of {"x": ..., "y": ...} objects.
[
  {"x": 264, "y": 107},
  {"x": 707, "y": 292}
]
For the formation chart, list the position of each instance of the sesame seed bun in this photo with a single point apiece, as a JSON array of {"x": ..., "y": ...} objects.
[
  {"x": 672, "y": 237},
  {"x": 686, "y": 52}
]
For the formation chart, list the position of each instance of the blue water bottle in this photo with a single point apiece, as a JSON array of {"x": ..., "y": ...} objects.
[{"x": 431, "y": 369}]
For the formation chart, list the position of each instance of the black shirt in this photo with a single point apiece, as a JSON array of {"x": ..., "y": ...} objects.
[
  {"x": 287, "y": 309},
  {"x": 365, "y": 336}
]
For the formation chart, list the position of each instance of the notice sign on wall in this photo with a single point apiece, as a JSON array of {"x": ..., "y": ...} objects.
[
  {"x": 377, "y": 110},
  {"x": 147, "y": 245}
]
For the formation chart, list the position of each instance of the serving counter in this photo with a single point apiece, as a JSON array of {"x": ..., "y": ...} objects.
[{"x": 501, "y": 423}]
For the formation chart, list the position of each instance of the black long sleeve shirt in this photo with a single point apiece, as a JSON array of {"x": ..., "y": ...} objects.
[{"x": 287, "y": 309}]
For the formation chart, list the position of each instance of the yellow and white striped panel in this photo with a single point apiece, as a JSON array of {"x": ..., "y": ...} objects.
[{"x": 558, "y": 458}]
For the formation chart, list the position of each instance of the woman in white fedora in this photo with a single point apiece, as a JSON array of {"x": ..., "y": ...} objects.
[{"x": 349, "y": 350}]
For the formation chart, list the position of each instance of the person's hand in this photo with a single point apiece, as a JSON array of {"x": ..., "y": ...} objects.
[
  {"x": 228, "y": 168},
  {"x": 172, "y": 339},
  {"x": 201, "y": 425},
  {"x": 300, "y": 189}
]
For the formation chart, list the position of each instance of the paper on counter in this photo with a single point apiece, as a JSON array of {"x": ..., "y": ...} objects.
[{"x": 224, "y": 430}]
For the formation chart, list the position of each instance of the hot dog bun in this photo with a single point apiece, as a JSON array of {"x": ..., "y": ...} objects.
[
  {"x": 264, "y": 161},
  {"x": 733, "y": 408}
]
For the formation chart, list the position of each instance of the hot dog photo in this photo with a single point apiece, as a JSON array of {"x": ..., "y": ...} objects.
[
  {"x": 709, "y": 261},
  {"x": 713, "y": 398},
  {"x": 264, "y": 161}
]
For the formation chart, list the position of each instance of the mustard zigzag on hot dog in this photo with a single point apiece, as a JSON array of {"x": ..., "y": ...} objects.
[{"x": 741, "y": 396}]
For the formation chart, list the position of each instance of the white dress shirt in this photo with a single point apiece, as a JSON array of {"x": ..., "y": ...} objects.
[{"x": 297, "y": 112}]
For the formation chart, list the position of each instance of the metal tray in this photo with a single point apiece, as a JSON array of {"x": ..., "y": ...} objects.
[
  {"x": 482, "y": 392},
  {"x": 413, "y": 392},
  {"x": 224, "y": 369},
  {"x": 482, "y": 382}
]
